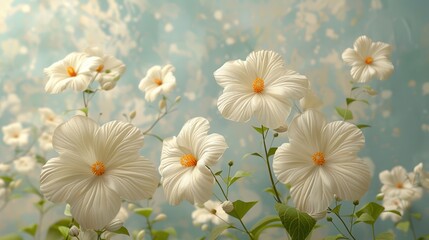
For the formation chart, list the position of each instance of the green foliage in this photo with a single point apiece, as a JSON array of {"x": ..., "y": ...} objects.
[
  {"x": 143, "y": 211},
  {"x": 298, "y": 224},
  {"x": 241, "y": 208},
  {"x": 54, "y": 232},
  {"x": 385, "y": 236},
  {"x": 253, "y": 154},
  {"x": 6, "y": 179},
  {"x": 337, "y": 209},
  {"x": 160, "y": 235},
  {"x": 64, "y": 231},
  {"x": 40, "y": 159},
  {"x": 31, "y": 230},
  {"x": 336, "y": 237},
  {"x": 239, "y": 174},
  {"x": 11, "y": 237},
  {"x": 217, "y": 231},
  {"x": 344, "y": 113},
  {"x": 261, "y": 130},
  {"x": 272, "y": 151},
  {"x": 265, "y": 223},
  {"x": 369, "y": 213},
  {"x": 403, "y": 226},
  {"x": 360, "y": 126},
  {"x": 123, "y": 230}
]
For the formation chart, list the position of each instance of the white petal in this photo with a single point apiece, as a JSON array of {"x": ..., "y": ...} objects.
[
  {"x": 351, "y": 57},
  {"x": 290, "y": 85},
  {"x": 341, "y": 138},
  {"x": 96, "y": 206},
  {"x": 380, "y": 49},
  {"x": 235, "y": 105},
  {"x": 211, "y": 149},
  {"x": 133, "y": 180},
  {"x": 362, "y": 46},
  {"x": 271, "y": 111},
  {"x": 384, "y": 68},
  {"x": 192, "y": 135},
  {"x": 234, "y": 74},
  {"x": 306, "y": 130},
  {"x": 152, "y": 93},
  {"x": 267, "y": 65}
]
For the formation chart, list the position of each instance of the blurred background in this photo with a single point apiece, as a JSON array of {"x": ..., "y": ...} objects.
[{"x": 197, "y": 37}]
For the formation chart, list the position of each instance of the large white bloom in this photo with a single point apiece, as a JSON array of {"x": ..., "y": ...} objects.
[
  {"x": 210, "y": 211},
  {"x": 96, "y": 167},
  {"x": 369, "y": 59},
  {"x": 400, "y": 184},
  {"x": 158, "y": 80},
  {"x": 75, "y": 71},
  {"x": 321, "y": 160},
  {"x": 15, "y": 135},
  {"x": 110, "y": 69},
  {"x": 184, "y": 159},
  {"x": 261, "y": 86}
]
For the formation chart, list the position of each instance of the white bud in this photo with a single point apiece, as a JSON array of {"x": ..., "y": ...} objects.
[
  {"x": 131, "y": 206},
  {"x": 178, "y": 98},
  {"x": 74, "y": 231},
  {"x": 162, "y": 104},
  {"x": 227, "y": 206},
  {"x": 67, "y": 211},
  {"x": 338, "y": 199},
  {"x": 15, "y": 184},
  {"x": 133, "y": 114},
  {"x": 140, "y": 235},
  {"x": 204, "y": 227},
  {"x": 160, "y": 217},
  {"x": 114, "y": 225},
  {"x": 371, "y": 92},
  {"x": 281, "y": 129}
]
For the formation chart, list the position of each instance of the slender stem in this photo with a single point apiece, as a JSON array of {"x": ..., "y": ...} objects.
[
  {"x": 149, "y": 228},
  {"x": 412, "y": 227},
  {"x": 269, "y": 168},
  {"x": 373, "y": 231},
  {"x": 352, "y": 218},
  {"x": 336, "y": 227},
  {"x": 342, "y": 221},
  {"x": 229, "y": 174}
]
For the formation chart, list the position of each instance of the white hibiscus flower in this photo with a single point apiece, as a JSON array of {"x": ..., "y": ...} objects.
[
  {"x": 369, "y": 59},
  {"x": 260, "y": 86},
  {"x": 184, "y": 159},
  {"x": 96, "y": 167},
  {"x": 321, "y": 160},
  {"x": 15, "y": 135},
  {"x": 398, "y": 183},
  {"x": 75, "y": 71},
  {"x": 110, "y": 69},
  {"x": 210, "y": 211},
  {"x": 158, "y": 81}
]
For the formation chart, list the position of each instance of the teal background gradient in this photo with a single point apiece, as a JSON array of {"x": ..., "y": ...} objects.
[{"x": 197, "y": 37}]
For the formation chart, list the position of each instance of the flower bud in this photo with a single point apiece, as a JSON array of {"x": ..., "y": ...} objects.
[
  {"x": 281, "y": 129},
  {"x": 371, "y": 92},
  {"x": 380, "y": 196},
  {"x": 160, "y": 217},
  {"x": 356, "y": 202},
  {"x": 329, "y": 219},
  {"x": 204, "y": 227},
  {"x": 114, "y": 225},
  {"x": 140, "y": 235},
  {"x": 74, "y": 231},
  {"x": 227, "y": 206},
  {"x": 178, "y": 98},
  {"x": 133, "y": 115},
  {"x": 230, "y": 163},
  {"x": 162, "y": 104},
  {"x": 15, "y": 184},
  {"x": 338, "y": 199},
  {"x": 276, "y": 134},
  {"x": 131, "y": 206}
]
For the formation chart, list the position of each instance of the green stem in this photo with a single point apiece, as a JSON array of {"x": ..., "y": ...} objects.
[
  {"x": 336, "y": 227},
  {"x": 268, "y": 166},
  {"x": 352, "y": 218},
  {"x": 227, "y": 185},
  {"x": 149, "y": 228},
  {"x": 345, "y": 225},
  {"x": 412, "y": 228},
  {"x": 373, "y": 231}
]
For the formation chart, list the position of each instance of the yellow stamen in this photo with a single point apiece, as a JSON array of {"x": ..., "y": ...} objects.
[
  {"x": 71, "y": 71},
  {"x": 399, "y": 185},
  {"x": 369, "y": 60},
  {"x": 188, "y": 160},
  {"x": 158, "y": 81},
  {"x": 258, "y": 85},
  {"x": 98, "y": 168},
  {"x": 100, "y": 68},
  {"x": 318, "y": 158}
]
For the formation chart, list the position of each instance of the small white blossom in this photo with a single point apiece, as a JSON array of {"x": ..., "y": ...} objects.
[
  {"x": 227, "y": 206},
  {"x": 397, "y": 183},
  {"x": 15, "y": 135},
  {"x": 45, "y": 141},
  {"x": 24, "y": 164},
  {"x": 49, "y": 118},
  {"x": 211, "y": 211},
  {"x": 396, "y": 204},
  {"x": 158, "y": 81}
]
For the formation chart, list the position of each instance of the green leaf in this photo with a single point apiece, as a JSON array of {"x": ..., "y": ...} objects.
[
  {"x": 84, "y": 110},
  {"x": 6, "y": 179},
  {"x": 53, "y": 231},
  {"x": 123, "y": 230},
  {"x": 31, "y": 230},
  {"x": 350, "y": 100},
  {"x": 337, "y": 209},
  {"x": 40, "y": 159},
  {"x": 270, "y": 190},
  {"x": 218, "y": 173},
  {"x": 394, "y": 211},
  {"x": 360, "y": 126},
  {"x": 354, "y": 88},
  {"x": 160, "y": 235},
  {"x": 239, "y": 174},
  {"x": 336, "y": 237},
  {"x": 298, "y": 224},
  {"x": 369, "y": 213},
  {"x": 364, "y": 101},
  {"x": 11, "y": 237},
  {"x": 217, "y": 231},
  {"x": 261, "y": 130},
  {"x": 403, "y": 226},
  {"x": 263, "y": 224},
  {"x": 39, "y": 205},
  {"x": 385, "y": 236},
  {"x": 143, "y": 211},
  {"x": 416, "y": 215},
  {"x": 241, "y": 208},
  {"x": 344, "y": 113},
  {"x": 272, "y": 151},
  {"x": 64, "y": 231},
  {"x": 171, "y": 231}
]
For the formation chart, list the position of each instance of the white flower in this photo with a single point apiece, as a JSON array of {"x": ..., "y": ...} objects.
[
  {"x": 369, "y": 59},
  {"x": 110, "y": 68},
  {"x": 184, "y": 159},
  {"x": 394, "y": 204},
  {"x": 96, "y": 167},
  {"x": 310, "y": 100},
  {"x": 45, "y": 141},
  {"x": 4, "y": 167},
  {"x": 423, "y": 175},
  {"x": 15, "y": 135},
  {"x": 49, "y": 118},
  {"x": 211, "y": 211},
  {"x": 158, "y": 80},
  {"x": 24, "y": 164},
  {"x": 261, "y": 86},
  {"x": 75, "y": 71},
  {"x": 398, "y": 183},
  {"x": 321, "y": 161}
]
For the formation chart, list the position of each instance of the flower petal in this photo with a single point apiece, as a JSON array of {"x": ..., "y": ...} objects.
[
  {"x": 305, "y": 130},
  {"x": 362, "y": 46},
  {"x": 290, "y": 85},
  {"x": 234, "y": 74},
  {"x": 192, "y": 135},
  {"x": 211, "y": 149},
  {"x": 267, "y": 65},
  {"x": 235, "y": 105},
  {"x": 270, "y": 110}
]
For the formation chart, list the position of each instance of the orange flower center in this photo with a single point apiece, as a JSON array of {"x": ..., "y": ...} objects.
[
  {"x": 399, "y": 185},
  {"x": 258, "y": 85},
  {"x": 318, "y": 158},
  {"x": 369, "y": 60},
  {"x": 188, "y": 160},
  {"x": 71, "y": 71},
  {"x": 158, "y": 81},
  {"x": 98, "y": 168},
  {"x": 100, "y": 68}
]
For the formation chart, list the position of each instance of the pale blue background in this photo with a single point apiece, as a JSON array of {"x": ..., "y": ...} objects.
[{"x": 197, "y": 37}]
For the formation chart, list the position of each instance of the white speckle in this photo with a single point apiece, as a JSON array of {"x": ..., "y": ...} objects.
[
  {"x": 281, "y": 38},
  {"x": 218, "y": 15},
  {"x": 412, "y": 83},
  {"x": 25, "y": 8},
  {"x": 242, "y": 142},
  {"x": 330, "y": 33},
  {"x": 168, "y": 27},
  {"x": 376, "y": 4},
  {"x": 230, "y": 41},
  {"x": 425, "y": 88},
  {"x": 23, "y": 50},
  {"x": 333, "y": 59},
  {"x": 190, "y": 95},
  {"x": 226, "y": 26},
  {"x": 425, "y": 127},
  {"x": 385, "y": 113},
  {"x": 157, "y": 15},
  {"x": 386, "y": 94}
]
